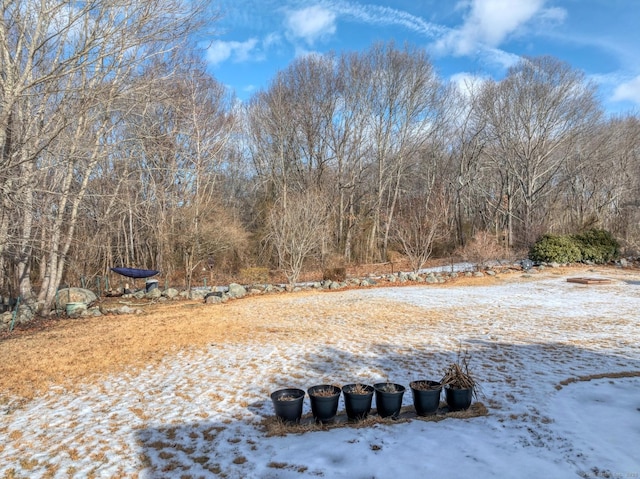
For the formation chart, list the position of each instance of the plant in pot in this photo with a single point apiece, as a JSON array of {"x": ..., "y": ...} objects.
[
  {"x": 459, "y": 385},
  {"x": 389, "y": 399},
  {"x": 426, "y": 396},
  {"x": 288, "y": 404},
  {"x": 357, "y": 400},
  {"x": 324, "y": 402}
]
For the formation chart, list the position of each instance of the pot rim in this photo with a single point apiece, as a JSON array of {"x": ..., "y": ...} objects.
[
  {"x": 399, "y": 388},
  {"x": 297, "y": 393},
  {"x": 432, "y": 383},
  {"x": 347, "y": 388},
  {"x": 336, "y": 389}
]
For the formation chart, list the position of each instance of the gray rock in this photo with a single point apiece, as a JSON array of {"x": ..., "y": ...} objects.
[
  {"x": 153, "y": 294},
  {"x": 5, "y": 320},
  {"x": 237, "y": 291},
  {"x": 120, "y": 310},
  {"x": 491, "y": 272},
  {"x": 478, "y": 274},
  {"x": 624, "y": 263},
  {"x": 75, "y": 295},
  {"x": 210, "y": 299},
  {"x": 78, "y": 310},
  {"x": 170, "y": 293},
  {"x": 334, "y": 285},
  {"x": 199, "y": 293}
]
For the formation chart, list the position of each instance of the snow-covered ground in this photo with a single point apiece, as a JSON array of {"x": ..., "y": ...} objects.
[{"x": 198, "y": 413}]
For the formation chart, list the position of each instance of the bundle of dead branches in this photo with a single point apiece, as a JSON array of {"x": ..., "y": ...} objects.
[{"x": 457, "y": 375}]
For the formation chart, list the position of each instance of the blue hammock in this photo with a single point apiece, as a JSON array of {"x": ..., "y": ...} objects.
[{"x": 135, "y": 272}]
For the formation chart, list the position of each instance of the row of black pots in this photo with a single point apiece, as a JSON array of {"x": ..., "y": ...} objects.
[{"x": 358, "y": 397}]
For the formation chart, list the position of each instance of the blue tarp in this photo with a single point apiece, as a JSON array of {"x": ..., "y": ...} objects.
[{"x": 135, "y": 272}]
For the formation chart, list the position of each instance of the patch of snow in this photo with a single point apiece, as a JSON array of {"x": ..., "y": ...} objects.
[{"x": 197, "y": 414}]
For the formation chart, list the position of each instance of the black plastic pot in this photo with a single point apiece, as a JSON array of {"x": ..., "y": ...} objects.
[
  {"x": 288, "y": 404},
  {"x": 389, "y": 399},
  {"x": 458, "y": 399},
  {"x": 426, "y": 396},
  {"x": 357, "y": 405},
  {"x": 324, "y": 407}
]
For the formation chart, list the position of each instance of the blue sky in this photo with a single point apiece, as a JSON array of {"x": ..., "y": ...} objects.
[{"x": 481, "y": 38}]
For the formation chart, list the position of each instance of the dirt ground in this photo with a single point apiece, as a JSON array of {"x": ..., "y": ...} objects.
[{"x": 68, "y": 352}]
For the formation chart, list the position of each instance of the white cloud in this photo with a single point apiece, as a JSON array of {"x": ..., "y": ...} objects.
[
  {"x": 489, "y": 22},
  {"x": 553, "y": 15},
  {"x": 467, "y": 83},
  {"x": 499, "y": 58},
  {"x": 220, "y": 51},
  {"x": 377, "y": 15},
  {"x": 311, "y": 23},
  {"x": 628, "y": 91},
  {"x": 273, "y": 39}
]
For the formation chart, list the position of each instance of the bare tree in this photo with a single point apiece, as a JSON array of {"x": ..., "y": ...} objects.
[
  {"x": 467, "y": 143},
  {"x": 298, "y": 231},
  {"x": 535, "y": 117},
  {"x": 420, "y": 222},
  {"x": 65, "y": 65},
  {"x": 405, "y": 101}
]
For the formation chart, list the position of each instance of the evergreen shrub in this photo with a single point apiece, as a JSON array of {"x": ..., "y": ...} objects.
[
  {"x": 556, "y": 249},
  {"x": 598, "y": 246}
]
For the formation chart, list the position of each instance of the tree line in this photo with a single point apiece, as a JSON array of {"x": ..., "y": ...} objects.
[{"x": 118, "y": 147}]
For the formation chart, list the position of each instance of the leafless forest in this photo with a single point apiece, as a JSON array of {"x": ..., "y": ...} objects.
[{"x": 117, "y": 147}]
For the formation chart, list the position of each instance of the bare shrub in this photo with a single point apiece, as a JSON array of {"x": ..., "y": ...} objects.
[
  {"x": 297, "y": 228},
  {"x": 335, "y": 274},
  {"x": 481, "y": 249},
  {"x": 254, "y": 275}
]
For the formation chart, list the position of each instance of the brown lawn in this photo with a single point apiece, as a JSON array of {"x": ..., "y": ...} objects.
[{"x": 67, "y": 352}]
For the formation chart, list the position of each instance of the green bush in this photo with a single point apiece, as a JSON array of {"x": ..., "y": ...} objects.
[
  {"x": 594, "y": 245},
  {"x": 598, "y": 246},
  {"x": 553, "y": 248}
]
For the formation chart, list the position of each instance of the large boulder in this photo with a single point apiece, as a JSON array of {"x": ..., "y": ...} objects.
[
  {"x": 75, "y": 295},
  {"x": 171, "y": 293},
  {"x": 237, "y": 290},
  {"x": 155, "y": 293},
  {"x": 5, "y": 320}
]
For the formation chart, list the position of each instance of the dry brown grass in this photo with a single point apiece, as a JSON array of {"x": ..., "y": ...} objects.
[
  {"x": 70, "y": 352},
  {"x": 617, "y": 375},
  {"x": 273, "y": 426},
  {"x": 67, "y": 353}
]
